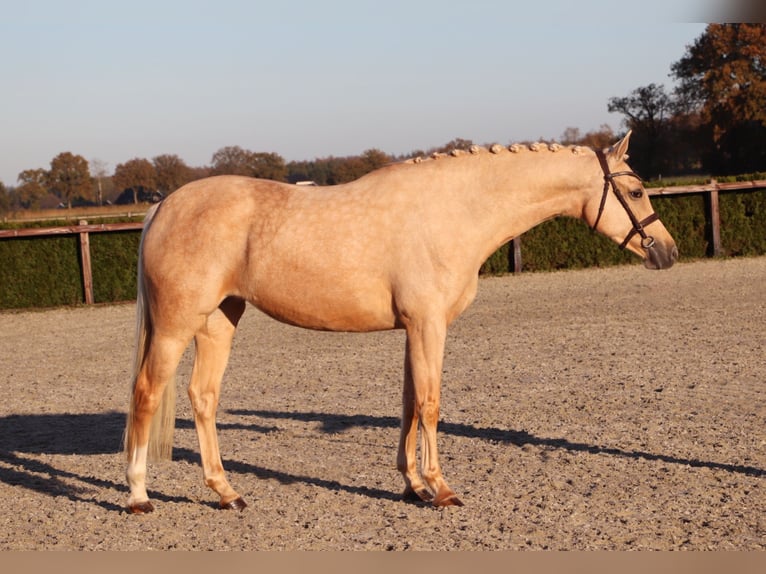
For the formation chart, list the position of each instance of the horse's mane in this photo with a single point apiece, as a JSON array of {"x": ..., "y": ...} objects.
[{"x": 498, "y": 149}]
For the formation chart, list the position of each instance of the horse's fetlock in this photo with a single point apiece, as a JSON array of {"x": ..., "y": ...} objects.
[
  {"x": 135, "y": 476},
  {"x": 431, "y": 475}
]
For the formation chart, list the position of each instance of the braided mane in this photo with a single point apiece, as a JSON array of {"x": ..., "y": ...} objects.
[{"x": 499, "y": 149}]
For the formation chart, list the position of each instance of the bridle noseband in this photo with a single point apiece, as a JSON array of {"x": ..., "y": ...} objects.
[{"x": 647, "y": 241}]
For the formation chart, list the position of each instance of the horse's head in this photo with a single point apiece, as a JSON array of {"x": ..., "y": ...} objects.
[{"x": 622, "y": 211}]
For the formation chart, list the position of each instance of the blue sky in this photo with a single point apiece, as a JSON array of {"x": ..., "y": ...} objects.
[{"x": 117, "y": 80}]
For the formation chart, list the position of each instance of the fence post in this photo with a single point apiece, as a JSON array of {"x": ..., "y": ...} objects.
[
  {"x": 87, "y": 274},
  {"x": 714, "y": 218},
  {"x": 515, "y": 254}
]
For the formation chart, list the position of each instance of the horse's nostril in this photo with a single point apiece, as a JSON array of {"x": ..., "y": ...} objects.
[{"x": 674, "y": 253}]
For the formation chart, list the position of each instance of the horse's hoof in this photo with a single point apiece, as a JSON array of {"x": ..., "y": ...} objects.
[
  {"x": 421, "y": 495},
  {"x": 448, "y": 500},
  {"x": 141, "y": 508},
  {"x": 236, "y": 504}
]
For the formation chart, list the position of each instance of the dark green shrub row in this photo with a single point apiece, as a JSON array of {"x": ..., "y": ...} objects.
[
  {"x": 743, "y": 223},
  {"x": 566, "y": 243},
  {"x": 569, "y": 244},
  {"x": 39, "y": 272},
  {"x": 44, "y": 272},
  {"x": 114, "y": 262}
]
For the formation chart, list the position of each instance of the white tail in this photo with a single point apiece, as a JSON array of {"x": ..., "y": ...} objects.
[{"x": 163, "y": 423}]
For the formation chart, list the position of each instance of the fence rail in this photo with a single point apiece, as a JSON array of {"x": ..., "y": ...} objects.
[
  {"x": 711, "y": 187},
  {"x": 83, "y": 227},
  {"x": 711, "y": 190}
]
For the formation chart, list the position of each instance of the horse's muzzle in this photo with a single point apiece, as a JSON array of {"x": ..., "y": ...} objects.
[{"x": 659, "y": 256}]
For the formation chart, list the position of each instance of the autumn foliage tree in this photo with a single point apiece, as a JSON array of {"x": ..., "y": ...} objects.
[
  {"x": 335, "y": 170},
  {"x": 715, "y": 119},
  {"x": 234, "y": 160},
  {"x": 597, "y": 139},
  {"x": 5, "y": 199},
  {"x": 69, "y": 178},
  {"x": 170, "y": 173},
  {"x": 137, "y": 175},
  {"x": 32, "y": 188},
  {"x": 723, "y": 77}
]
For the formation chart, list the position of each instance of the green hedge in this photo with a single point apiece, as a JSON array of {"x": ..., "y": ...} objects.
[
  {"x": 44, "y": 272},
  {"x": 743, "y": 223},
  {"x": 114, "y": 259},
  {"x": 39, "y": 272},
  {"x": 567, "y": 243}
]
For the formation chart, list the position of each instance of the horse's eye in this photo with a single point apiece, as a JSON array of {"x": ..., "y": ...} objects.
[{"x": 636, "y": 194}]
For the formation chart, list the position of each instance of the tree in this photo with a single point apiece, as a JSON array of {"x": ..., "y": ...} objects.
[
  {"x": 5, "y": 199},
  {"x": 374, "y": 159},
  {"x": 98, "y": 167},
  {"x": 32, "y": 188},
  {"x": 571, "y": 136},
  {"x": 456, "y": 144},
  {"x": 723, "y": 78},
  {"x": 233, "y": 160},
  {"x": 600, "y": 139},
  {"x": 646, "y": 110},
  {"x": 268, "y": 166},
  {"x": 137, "y": 175},
  {"x": 69, "y": 178},
  {"x": 230, "y": 160},
  {"x": 170, "y": 173}
]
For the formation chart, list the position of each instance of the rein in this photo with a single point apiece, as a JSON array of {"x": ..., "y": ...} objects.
[{"x": 647, "y": 241}]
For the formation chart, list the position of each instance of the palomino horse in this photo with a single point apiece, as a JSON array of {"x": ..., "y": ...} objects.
[{"x": 399, "y": 248}]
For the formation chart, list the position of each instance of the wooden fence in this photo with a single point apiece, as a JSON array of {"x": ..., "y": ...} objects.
[
  {"x": 84, "y": 229},
  {"x": 711, "y": 191}
]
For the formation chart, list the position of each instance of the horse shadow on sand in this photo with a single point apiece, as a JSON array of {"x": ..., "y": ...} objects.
[
  {"x": 26, "y": 439},
  {"x": 336, "y": 423}
]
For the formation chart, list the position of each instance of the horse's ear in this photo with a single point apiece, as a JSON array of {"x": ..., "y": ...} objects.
[{"x": 619, "y": 151}]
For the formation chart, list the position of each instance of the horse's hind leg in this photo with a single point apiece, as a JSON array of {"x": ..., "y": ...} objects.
[
  {"x": 213, "y": 345},
  {"x": 157, "y": 374}
]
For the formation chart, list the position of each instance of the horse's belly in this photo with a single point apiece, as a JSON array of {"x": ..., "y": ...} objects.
[{"x": 327, "y": 307}]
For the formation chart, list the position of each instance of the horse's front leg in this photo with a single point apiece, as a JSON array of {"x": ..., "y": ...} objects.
[
  {"x": 423, "y": 367},
  {"x": 213, "y": 345},
  {"x": 406, "y": 460}
]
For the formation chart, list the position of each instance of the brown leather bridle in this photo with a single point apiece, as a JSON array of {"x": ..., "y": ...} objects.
[{"x": 647, "y": 241}]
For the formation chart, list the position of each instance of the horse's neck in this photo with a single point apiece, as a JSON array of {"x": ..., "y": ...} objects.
[{"x": 510, "y": 194}]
